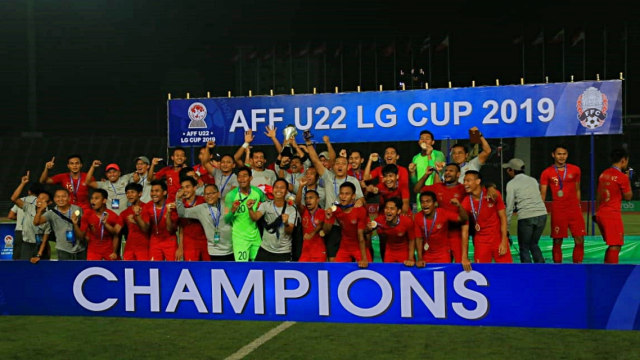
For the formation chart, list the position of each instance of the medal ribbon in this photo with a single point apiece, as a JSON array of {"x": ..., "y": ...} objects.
[
  {"x": 473, "y": 210},
  {"x": 424, "y": 220},
  {"x": 75, "y": 188},
  {"x": 561, "y": 181},
  {"x": 155, "y": 215}
]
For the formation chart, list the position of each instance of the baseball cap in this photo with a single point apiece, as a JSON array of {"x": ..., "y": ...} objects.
[
  {"x": 515, "y": 164},
  {"x": 144, "y": 159},
  {"x": 325, "y": 154},
  {"x": 112, "y": 166}
]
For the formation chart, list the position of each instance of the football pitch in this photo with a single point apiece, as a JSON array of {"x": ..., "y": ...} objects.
[{"x": 43, "y": 337}]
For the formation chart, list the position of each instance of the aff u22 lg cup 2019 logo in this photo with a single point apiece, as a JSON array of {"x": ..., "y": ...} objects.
[
  {"x": 592, "y": 108},
  {"x": 197, "y": 113}
]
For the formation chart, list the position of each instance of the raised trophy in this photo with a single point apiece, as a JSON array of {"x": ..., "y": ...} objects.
[{"x": 289, "y": 133}]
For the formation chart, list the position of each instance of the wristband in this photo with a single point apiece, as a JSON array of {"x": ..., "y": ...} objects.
[
  {"x": 245, "y": 145},
  {"x": 38, "y": 255}
]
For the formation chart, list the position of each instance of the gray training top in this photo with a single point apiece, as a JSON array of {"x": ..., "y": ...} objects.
[{"x": 208, "y": 217}]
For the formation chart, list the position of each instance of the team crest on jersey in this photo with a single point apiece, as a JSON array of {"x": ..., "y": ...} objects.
[
  {"x": 197, "y": 113},
  {"x": 592, "y": 108},
  {"x": 439, "y": 226}
]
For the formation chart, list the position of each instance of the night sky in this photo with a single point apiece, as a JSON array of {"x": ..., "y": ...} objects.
[{"x": 106, "y": 66}]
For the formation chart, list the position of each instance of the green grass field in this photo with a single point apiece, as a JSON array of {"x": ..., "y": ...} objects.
[{"x": 27, "y": 337}]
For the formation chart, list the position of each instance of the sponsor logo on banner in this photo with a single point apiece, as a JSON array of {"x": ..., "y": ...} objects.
[
  {"x": 592, "y": 108},
  {"x": 8, "y": 241},
  {"x": 197, "y": 113}
]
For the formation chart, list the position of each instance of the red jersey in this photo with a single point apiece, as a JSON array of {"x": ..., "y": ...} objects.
[
  {"x": 136, "y": 238},
  {"x": 403, "y": 176},
  {"x": 172, "y": 178},
  {"x": 204, "y": 174},
  {"x": 563, "y": 184},
  {"x": 397, "y": 235},
  {"x": 445, "y": 193},
  {"x": 100, "y": 240},
  {"x": 311, "y": 220},
  {"x": 156, "y": 218},
  {"x": 486, "y": 217},
  {"x": 358, "y": 175},
  {"x": 78, "y": 191},
  {"x": 386, "y": 194},
  {"x": 192, "y": 230},
  {"x": 350, "y": 223},
  {"x": 612, "y": 184},
  {"x": 435, "y": 231}
]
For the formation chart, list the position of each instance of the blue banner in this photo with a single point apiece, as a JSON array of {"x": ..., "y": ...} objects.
[
  {"x": 527, "y": 295},
  {"x": 561, "y": 109},
  {"x": 7, "y": 238}
]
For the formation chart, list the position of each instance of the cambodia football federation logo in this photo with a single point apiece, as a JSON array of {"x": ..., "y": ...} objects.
[
  {"x": 592, "y": 108},
  {"x": 197, "y": 113}
]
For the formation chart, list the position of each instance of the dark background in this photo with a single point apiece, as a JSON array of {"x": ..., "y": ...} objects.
[{"x": 106, "y": 66}]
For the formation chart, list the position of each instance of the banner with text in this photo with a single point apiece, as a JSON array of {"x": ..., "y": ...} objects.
[
  {"x": 527, "y": 295},
  {"x": 561, "y": 109}
]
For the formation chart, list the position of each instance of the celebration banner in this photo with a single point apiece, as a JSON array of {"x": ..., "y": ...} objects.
[
  {"x": 560, "y": 109},
  {"x": 527, "y": 295}
]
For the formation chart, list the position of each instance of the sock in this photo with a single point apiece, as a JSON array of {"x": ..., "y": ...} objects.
[
  {"x": 557, "y": 253},
  {"x": 611, "y": 256},
  {"x": 578, "y": 253}
]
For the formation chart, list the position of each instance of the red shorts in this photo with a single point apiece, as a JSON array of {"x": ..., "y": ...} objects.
[
  {"x": 350, "y": 255},
  {"x": 484, "y": 253},
  {"x": 396, "y": 256},
  {"x": 195, "y": 251},
  {"x": 612, "y": 229},
  {"x": 165, "y": 250},
  {"x": 131, "y": 253},
  {"x": 437, "y": 257},
  {"x": 455, "y": 242},
  {"x": 567, "y": 219},
  {"x": 93, "y": 255},
  {"x": 313, "y": 250}
]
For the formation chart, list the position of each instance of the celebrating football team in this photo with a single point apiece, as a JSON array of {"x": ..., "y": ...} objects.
[{"x": 312, "y": 206}]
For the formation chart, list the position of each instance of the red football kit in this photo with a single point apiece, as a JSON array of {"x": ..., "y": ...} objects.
[
  {"x": 357, "y": 174},
  {"x": 78, "y": 191},
  {"x": 386, "y": 194},
  {"x": 204, "y": 174},
  {"x": 444, "y": 194},
  {"x": 612, "y": 184},
  {"x": 350, "y": 223},
  {"x": 565, "y": 208},
  {"x": 403, "y": 176},
  {"x": 172, "y": 178},
  {"x": 137, "y": 246},
  {"x": 194, "y": 240},
  {"x": 162, "y": 243},
  {"x": 100, "y": 240},
  {"x": 397, "y": 237},
  {"x": 313, "y": 250},
  {"x": 484, "y": 219},
  {"x": 434, "y": 233}
]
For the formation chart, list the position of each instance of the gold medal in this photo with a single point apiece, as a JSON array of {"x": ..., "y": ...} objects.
[
  {"x": 426, "y": 246},
  {"x": 477, "y": 227},
  {"x": 77, "y": 212},
  {"x": 560, "y": 193},
  {"x": 321, "y": 233}
]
